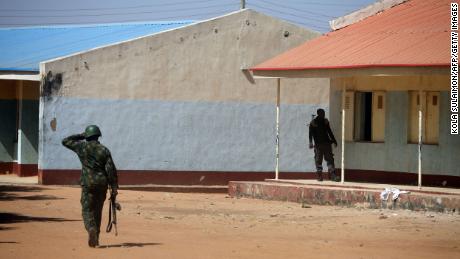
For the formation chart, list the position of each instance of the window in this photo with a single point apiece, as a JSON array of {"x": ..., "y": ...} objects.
[
  {"x": 365, "y": 116},
  {"x": 378, "y": 116},
  {"x": 429, "y": 102},
  {"x": 349, "y": 115}
]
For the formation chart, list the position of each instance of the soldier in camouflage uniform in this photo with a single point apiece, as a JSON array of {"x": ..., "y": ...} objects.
[
  {"x": 98, "y": 172},
  {"x": 320, "y": 131}
]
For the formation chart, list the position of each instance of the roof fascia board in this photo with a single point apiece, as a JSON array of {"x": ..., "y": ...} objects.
[{"x": 335, "y": 73}]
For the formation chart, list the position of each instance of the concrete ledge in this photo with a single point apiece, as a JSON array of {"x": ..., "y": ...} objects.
[
  {"x": 369, "y": 186},
  {"x": 350, "y": 196}
]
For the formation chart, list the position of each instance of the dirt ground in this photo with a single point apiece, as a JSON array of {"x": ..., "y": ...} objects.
[{"x": 45, "y": 222}]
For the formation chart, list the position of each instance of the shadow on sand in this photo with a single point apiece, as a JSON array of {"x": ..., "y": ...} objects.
[
  {"x": 6, "y": 228},
  {"x": 9, "y": 218},
  {"x": 7, "y": 193},
  {"x": 21, "y": 188},
  {"x": 128, "y": 245}
]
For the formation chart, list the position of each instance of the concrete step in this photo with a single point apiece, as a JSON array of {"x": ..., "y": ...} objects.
[{"x": 351, "y": 195}]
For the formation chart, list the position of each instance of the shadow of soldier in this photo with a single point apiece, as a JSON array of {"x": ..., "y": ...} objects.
[{"x": 129, "y": 245}]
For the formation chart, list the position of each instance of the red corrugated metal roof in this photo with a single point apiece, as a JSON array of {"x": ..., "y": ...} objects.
[{"x": 414, "y": 33}]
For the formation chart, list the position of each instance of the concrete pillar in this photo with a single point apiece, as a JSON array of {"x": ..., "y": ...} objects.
[
  {"x": 27, "y": 133},
  {"x": 278, "y": 96},
  {"x": 342, "y": 167}
]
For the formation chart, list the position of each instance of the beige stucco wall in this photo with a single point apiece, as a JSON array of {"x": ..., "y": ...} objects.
[{"x": 201, "y": 61}]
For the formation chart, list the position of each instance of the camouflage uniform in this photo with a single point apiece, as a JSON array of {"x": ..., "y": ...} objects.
[
  {"x": 98, "y": 172},
  {"x": 321, "y": 133}
]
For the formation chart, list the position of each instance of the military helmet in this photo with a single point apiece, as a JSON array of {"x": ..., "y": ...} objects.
[{"x": 92, "y": 130}]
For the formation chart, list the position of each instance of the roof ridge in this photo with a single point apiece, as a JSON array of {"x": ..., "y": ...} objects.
[{"x": 363, "y": 13}]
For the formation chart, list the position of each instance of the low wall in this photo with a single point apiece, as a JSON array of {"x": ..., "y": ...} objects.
[{"x": 350, "y": 197}]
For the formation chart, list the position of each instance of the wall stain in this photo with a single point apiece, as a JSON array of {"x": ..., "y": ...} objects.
[
  {"x": 53, "y": 124},
  {"x": 51, "y": 85}
]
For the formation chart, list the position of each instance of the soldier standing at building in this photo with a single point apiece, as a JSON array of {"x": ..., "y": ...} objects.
[
  {"x": 98, "y": 172},
  {"x": 320, "y": 131}
]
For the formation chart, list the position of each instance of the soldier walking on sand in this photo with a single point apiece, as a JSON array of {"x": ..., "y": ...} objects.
[
  {"x": 320, "y": 131},
  {"x": 98, "y": 172}
]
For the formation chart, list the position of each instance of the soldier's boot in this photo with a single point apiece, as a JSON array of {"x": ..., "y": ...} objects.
[
  {"x": 92, "y": 239},
  {"x": 334, "y": 177},
  {"x": 320, "y": 176}
]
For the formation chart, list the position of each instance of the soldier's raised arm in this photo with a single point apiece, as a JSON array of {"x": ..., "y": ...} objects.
[
  {"x": 112, "y": 175},
  {"x": 72, "y": 142}
]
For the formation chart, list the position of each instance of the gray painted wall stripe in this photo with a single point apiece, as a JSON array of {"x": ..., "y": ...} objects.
[{"x": 166, "y": 135}]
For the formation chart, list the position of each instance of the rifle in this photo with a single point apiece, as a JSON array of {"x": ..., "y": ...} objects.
[{"x": 113, "y": 207}]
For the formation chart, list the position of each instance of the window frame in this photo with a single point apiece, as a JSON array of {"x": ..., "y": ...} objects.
[{"x": 424, "y": 100}]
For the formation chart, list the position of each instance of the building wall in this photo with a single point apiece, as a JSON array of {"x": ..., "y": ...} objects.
[
  {"x": 19, "y": 105},
  {"x": 8, "y": 106},
  {"x": 180, "y": 101},
  {"x": 395, "y": 154}
]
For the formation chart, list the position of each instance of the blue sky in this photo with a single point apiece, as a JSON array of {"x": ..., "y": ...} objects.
[{"x": 313, "y": 14}]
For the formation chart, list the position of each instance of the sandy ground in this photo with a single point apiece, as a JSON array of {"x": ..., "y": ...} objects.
[{"x": 44, "y": 222}]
